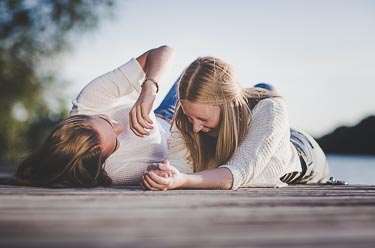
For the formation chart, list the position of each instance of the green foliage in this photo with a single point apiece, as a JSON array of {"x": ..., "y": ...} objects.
[{"x": 31, "y": 32}]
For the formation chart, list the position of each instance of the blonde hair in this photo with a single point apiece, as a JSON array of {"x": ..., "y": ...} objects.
[
  {"x": 211, "y": 81},
  {"x": 70, "y": 157}
]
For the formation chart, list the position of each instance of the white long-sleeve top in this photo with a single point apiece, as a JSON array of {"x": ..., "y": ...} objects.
[
  {"x": 114, "y": 94},
  {"x": 265, "y": 154}
]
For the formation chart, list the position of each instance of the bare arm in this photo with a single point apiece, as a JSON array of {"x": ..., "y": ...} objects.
[
  {"x": 219, "y": 178},
  {"x": 155, "y": 63}
]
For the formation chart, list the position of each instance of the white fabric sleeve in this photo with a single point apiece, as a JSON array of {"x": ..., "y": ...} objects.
[
  {"x": 178, "y": 152},
  {"x": 104, "y": 91},
  {"x": 263, "y": 138}
]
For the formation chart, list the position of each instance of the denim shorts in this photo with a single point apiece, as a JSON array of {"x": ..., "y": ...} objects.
[
  {"x": 313, "y": 160},
  {"x": 167, "y": 106}
]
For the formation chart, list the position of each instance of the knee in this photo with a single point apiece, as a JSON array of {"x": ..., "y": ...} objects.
[{"x": 265, "y": 86}]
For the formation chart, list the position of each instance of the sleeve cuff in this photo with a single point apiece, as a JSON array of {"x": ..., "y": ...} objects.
[
  {"x": 237, "y": 174},
  {"x": 134, "y": 73}
]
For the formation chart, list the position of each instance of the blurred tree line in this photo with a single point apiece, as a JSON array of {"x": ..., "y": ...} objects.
[
  {"x": 358, "y": 139},
  {"x": 32, "y": 32}
]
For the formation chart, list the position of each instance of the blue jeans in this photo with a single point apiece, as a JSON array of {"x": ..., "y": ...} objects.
[
  {"x": 265, "y": 86},
  {"x": 167, "y": 106}
]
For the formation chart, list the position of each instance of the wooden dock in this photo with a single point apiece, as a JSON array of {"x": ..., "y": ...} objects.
[{"x": 296, "y": 216}]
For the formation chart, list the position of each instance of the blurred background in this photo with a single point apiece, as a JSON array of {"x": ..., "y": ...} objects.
[{"x": 319, "y": 55}]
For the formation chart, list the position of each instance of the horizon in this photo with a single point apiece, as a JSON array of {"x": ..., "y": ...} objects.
[{"x": 318, "y": 55}]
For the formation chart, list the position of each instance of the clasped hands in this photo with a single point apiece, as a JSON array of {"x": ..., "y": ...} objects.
[{"x": 163, "y": 176}]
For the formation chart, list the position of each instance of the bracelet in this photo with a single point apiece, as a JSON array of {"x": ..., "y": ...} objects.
[{"x": 152, "y": 80}]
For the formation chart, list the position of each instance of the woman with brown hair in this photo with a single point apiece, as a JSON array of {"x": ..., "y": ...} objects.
[{"x": 100, "y": 144}]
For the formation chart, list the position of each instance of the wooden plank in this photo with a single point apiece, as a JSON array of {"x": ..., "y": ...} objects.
[{"x": 296, "y": 216}]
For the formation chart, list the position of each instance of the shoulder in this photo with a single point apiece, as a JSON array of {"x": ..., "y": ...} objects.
[
  {"x": 270, "y": 112},
  {"x": 271, "y": 104}
]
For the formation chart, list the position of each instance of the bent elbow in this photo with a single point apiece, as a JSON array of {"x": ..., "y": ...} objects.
[{"x": 167, "y": 49}]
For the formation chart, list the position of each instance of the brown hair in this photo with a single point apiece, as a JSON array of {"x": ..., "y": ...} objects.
[
  {"x": 211, "y": 81},
  {"x": 70, "y": 157}
]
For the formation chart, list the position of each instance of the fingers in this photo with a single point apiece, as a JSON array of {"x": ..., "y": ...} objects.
[
  {"x": 155, "y": 182},
  {"x": 148, "y": 182},
  {"x": 158, "y": 179},
  {"x": 147, "y": 185},
  {"x": 160, "y": 173},
  {"x": 155, "y": 168},
  {"x": 165, "y": 166},
  {"x": 134, "y": 126},
  {"x": 138, "y": 124},
  {"x": 145, "y": 116}
]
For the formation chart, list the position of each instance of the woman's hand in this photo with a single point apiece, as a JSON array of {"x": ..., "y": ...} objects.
[
  {"x": 139, "y": 119},
  {"x": 164, "y": 178},
  {"x": 155, "y": 63}
]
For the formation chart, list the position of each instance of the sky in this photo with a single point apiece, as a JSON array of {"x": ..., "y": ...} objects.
[{"x": 319, "y": 55}]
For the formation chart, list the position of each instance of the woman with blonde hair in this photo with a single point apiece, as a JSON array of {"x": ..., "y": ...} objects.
[{"x": 232, "y": 137}]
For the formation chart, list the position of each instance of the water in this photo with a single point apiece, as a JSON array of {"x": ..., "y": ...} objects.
[{"x": 352, "y": 169}]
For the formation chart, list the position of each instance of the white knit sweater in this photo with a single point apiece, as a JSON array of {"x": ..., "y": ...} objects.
[
  {"x": 265, "y": 154},
  {"x": 114, "y": 94}
]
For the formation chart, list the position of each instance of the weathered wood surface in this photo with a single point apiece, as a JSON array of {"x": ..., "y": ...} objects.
[{"x": 296, "y": 216}]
